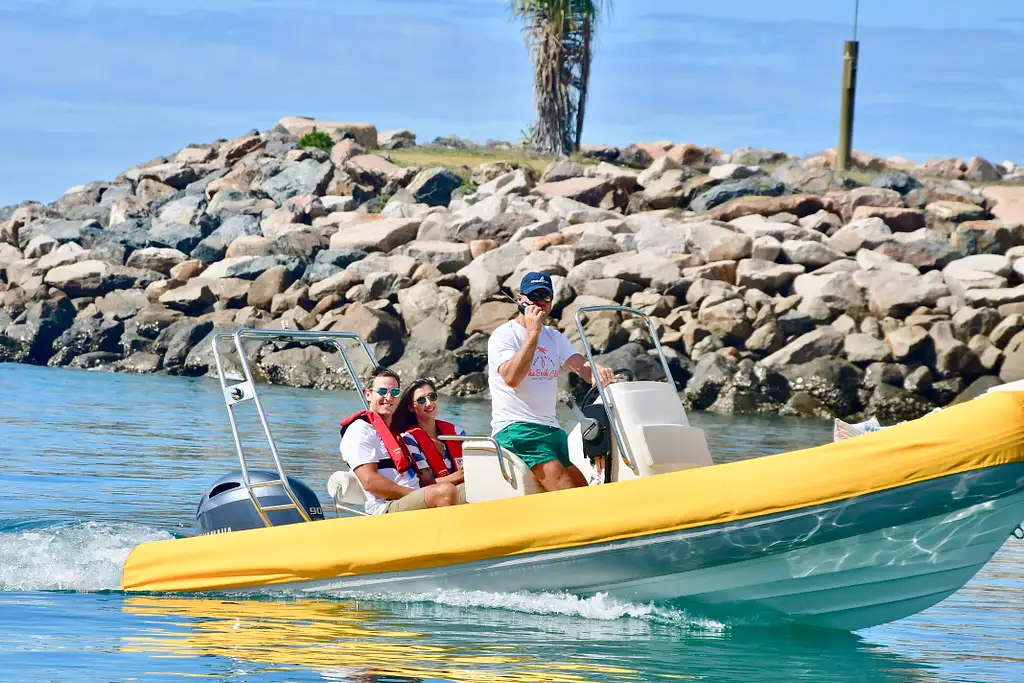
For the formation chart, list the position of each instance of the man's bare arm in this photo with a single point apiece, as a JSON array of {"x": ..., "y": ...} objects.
[
  {"x": 514, "y": 370},
  {"x": 379, "y": 485},
  {"x": 581, "y": 366}
]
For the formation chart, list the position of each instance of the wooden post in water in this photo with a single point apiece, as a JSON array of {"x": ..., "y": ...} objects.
[{"x": 850, "y": 53}]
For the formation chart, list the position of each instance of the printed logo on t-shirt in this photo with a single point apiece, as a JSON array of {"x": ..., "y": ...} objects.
[{"x": 543, "y": 366}]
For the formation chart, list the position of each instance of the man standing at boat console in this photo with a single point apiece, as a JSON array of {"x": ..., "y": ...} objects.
[
  {"x": 379, "y": 457},
  {"x": 524, "y": 358}
]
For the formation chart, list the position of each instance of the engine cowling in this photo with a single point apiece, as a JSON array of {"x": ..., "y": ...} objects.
[{"x": 226, "y": 505}]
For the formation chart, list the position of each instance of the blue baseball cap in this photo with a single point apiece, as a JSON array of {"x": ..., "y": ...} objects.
[{"x": 533, "y": 282}]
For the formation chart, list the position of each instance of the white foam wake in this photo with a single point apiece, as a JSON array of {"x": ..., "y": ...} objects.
[
  {"x": 84, "y": 556},
  {"x": 600, "y": 607}
]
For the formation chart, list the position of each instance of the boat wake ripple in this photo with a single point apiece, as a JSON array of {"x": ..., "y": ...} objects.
[
  {"x": 79, "y": 556},
  {"x": 600, "y": 607},
  {"x": 89, "y": 556}
]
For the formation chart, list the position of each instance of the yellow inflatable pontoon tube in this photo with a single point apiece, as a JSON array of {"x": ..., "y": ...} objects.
[{"x": 985, "y": 432}]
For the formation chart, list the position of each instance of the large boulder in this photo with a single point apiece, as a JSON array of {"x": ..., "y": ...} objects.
[
  {"x": 267, "y": 285},
  {"x": 192, "y": 298},
  {"x": 331, "y": 262},
  {"x": 944, "y": 216},
  {"x": 301, "y": 178},
  {"x": 43, "y": 323},
  {"x": 986, "y": 237},
  {"x": 396, "y": 139},
  {"x": 449, "y": 257},
  {"x": 85, "y": 278},
  {"x": 1007, "y": 202},
  {"x": 846, "y": 203},
  {"x": 213, "y": 247},
  {"x": 490, "y": 315},
  {"x": 831, "y": 381},
  {"x": 766, "y": 275},
  {"x": 809, "y": 253},
  {"x": 951, "y": 357},
  {"x": 174, "y": 175},
  {"x": 377, "y": 172},
  {"x": 711, "y": 375},
  {"x": 922, "y": 248},
  {"x": 87, "y": 335},
  {"x": 820, "y": 343},
  {"x": 250, "y": 267},
  {"x": 900, "y": 181},
  {"x": 897, "y": 295},
  {"x": 799, "y": 205},
  {"x": 866, "y": 233},
  {"x": 371, "y": 324},
  {"x": 181, "y": 236},
  {"x": 306, "y": 366},
  {"x": 724, "y": 192},
  {"x": 725, "y": 319},
  {"x": 376, "y": 235},
  {"x": 363, "y": 133},
  {"x": 898, "y": 219},
  {"x": 156, "y": 258},
  {"x": 185, "y": 210},
  {"x": 434, "y": 186},
  {"x": 589, "y": 191},
  {"x": 835, "y": 291},
  {"x": 428, "y": 300}
]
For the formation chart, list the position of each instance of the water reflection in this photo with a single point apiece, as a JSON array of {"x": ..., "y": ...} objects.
[{"x": 342, "y": 640}]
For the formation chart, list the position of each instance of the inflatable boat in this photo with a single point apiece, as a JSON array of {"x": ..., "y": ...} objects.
[{"x": 846, "y": 535}]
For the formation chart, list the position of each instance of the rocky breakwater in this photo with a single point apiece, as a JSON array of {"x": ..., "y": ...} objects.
[{"x": 776, "y": 284}]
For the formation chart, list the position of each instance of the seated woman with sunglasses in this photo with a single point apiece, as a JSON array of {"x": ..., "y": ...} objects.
[
  {"x": 416, "y": 419},
  {"x": 378, "y": 456}
]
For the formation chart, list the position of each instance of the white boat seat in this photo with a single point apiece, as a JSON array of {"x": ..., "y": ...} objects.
[
  {"x": 484, "y": 480},
  {"x": 655, "y": 424},
  {"x": 344, "y": 487}
]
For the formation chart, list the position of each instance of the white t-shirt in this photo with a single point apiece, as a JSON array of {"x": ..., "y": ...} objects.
[
  {"x": 360, "y": 446},
  {"x": 535, "y": 398}
]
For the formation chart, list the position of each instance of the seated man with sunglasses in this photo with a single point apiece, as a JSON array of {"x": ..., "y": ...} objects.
[
  {"x": 379, "y": 457},
  {"x": 524, "y": 359}
]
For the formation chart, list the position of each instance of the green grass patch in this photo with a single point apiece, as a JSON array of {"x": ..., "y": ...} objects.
[
  {"x": 318, "y": 139},
  {"x": 462, "y": 161}
]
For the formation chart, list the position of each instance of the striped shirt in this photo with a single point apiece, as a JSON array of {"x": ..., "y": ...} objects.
[{"x": 421, "y": 459}]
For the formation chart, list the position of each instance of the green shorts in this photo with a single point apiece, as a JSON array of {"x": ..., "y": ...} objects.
[{"x": 535, "y": 443}]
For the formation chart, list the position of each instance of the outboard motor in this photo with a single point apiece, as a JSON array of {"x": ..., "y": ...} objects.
[{"x": 226, "y": 506}]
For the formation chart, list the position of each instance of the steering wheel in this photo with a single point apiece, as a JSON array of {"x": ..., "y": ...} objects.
[{"x": 628, "y": 374}]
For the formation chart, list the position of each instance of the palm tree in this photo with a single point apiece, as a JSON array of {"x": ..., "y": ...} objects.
[{"x": 560, "y": 36}]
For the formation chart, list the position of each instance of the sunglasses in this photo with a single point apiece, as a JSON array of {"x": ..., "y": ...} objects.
[
  {"x": 432, "y": 397},
  {"x": 384, "y": 391},
  {"x": 540, "y": 297}
]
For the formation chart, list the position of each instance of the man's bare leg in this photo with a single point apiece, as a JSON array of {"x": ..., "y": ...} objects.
[
  {"x": 577, "y": 477},
  {"x": 441, "y": 495},
  {"x": 553, "y": 476}
]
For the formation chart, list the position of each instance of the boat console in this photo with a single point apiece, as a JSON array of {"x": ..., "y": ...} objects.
[{"x": 632, "y": 429}]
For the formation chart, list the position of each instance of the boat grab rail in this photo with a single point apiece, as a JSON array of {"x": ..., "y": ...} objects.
[
  {"x": 497, "y": 450},
  {"x": 624, "y": 449},
  {"x": 246, "y": 390}
]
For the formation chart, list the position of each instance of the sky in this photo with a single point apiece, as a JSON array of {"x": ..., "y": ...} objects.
[{"x": 89, "y": 88}]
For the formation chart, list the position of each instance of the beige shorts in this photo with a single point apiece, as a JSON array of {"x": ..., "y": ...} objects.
[{"x": 417, "y": 500}]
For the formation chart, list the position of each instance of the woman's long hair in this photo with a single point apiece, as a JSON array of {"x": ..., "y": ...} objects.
[{"x": 404, "y": 418}]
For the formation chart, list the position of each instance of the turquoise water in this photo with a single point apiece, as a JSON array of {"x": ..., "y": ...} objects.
[{"x": 93, "y": 463}]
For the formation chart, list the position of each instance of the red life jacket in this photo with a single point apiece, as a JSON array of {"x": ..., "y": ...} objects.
[
  {"x": 399, "y": 452},
  {"x": 430, "y": 451}
]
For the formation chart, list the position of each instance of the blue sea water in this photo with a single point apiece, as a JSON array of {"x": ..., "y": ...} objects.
[{"x": 92, "y": 464}]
